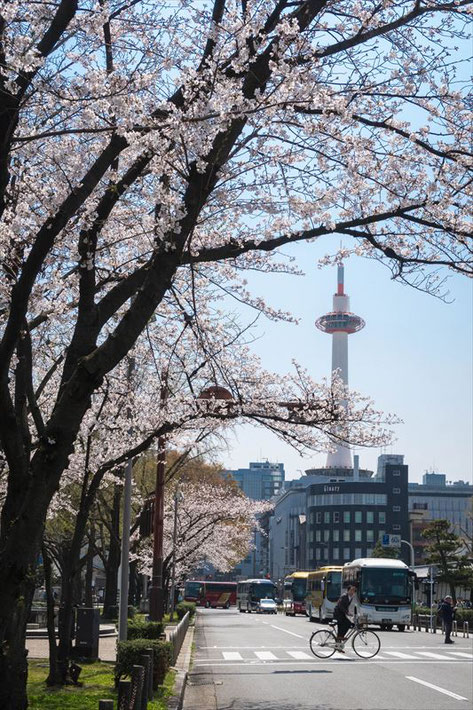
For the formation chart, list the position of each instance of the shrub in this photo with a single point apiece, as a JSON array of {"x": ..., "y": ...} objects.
[
  {"x": 139, "y": 629},
  {"x": 129, "y": 654},
  {"x": 183, "y": 607}
]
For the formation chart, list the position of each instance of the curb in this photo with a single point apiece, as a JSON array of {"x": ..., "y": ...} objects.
[{"x": 183, "y": 662}]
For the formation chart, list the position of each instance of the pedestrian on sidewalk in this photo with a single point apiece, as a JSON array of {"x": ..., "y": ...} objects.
[{"x": 447, "y": 612}]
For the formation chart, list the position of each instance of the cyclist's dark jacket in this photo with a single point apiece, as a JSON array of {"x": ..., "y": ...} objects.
[{"x": 342, "y": 606}]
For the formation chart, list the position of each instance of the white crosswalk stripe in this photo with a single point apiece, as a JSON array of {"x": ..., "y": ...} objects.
[
  {"x": 389, "y": 656},
  {"x": 299, "y": 655}
]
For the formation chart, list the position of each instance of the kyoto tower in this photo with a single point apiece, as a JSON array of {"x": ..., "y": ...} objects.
[{"x": 340, "y": 323}]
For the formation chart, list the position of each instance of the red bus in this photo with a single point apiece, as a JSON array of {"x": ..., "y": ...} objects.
[{"x": 211, "y": 594}]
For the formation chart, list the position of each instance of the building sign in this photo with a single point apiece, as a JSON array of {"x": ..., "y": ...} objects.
[{"x": 331, "y": 489}]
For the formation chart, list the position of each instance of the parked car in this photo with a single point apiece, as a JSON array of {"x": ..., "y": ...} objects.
[{"x": 267, "y": 606}]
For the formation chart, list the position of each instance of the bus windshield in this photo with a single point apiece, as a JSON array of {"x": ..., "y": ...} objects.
[
  {"x": 385, "y": 585},
  {"x": 299, "y": 589},
  {"x": 193, "y": 589},
  {"x": 334, "y": 586},
  {"x": 264, "y": 590}
]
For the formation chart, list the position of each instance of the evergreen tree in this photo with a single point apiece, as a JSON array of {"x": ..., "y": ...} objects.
[
  {"x": 391, "y": 553},
  {"x": 447, "y": 550}
]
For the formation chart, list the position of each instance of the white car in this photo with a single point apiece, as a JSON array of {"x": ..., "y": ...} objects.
[{"x": 267, "y": 606}]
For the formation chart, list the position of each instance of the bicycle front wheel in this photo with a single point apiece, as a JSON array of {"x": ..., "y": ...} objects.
[
  {"x": 322, "y": 643},
  {"x": 366, "y": 644}
]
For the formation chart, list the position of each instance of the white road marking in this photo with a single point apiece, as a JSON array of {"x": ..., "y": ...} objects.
[
  {"x": 461, "y": 654},
  {"x": 232, "y": 656},
  {"x": 440, "y": 656},
  {"x": 298, "y": 655},
  {"x": 266, "y": 656},
  {"x": 286, "y": 631},
  {"x": 398, "y": 654},
  {"x": 436, "y": 687}
]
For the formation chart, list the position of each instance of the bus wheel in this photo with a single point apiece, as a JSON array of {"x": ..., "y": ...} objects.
[
  {"x": 401, "y": 627},
  {"x": 389, "y": 627},
  {"x": 240, "y": 610},
  {"x": 382, "y": 627}
]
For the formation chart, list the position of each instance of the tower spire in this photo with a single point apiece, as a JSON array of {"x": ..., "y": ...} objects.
[{"x": 340, "y": 323}]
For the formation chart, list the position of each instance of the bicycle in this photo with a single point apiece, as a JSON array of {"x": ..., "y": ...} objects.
[{"x": 366, "y": 644}]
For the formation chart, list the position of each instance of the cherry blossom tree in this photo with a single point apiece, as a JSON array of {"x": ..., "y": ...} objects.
[
  {"x": 215, "y": 527},
  {"x": 151, "y": 154}
]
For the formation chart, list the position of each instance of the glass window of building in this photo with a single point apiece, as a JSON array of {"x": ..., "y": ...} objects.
[
  {"x": 346, "y": 553},
  {"x": 370, "y": 536},
  {"x": 326, "y": 535},
  {"x": 346, "y": 516},
  {"x": 381, "y": 517},
  {"x": 336, "y": 535},
  {"x": 346, "y": 535},
  {"x": 358, "y": 516},
  {"x": 380, "y": 534},
  {"x": 369, "y": 551},
  {"x": 357, "y": 535},
  {"x": 335, "y": 553},
  {"x": 358, "y": 552},
  {"x": 327, "y": 517},
  {"x": 336, "y": 516},
  {"x": 318, "y": 535},
  {"x": 318, "y": 517},
  {"x": 369, "y": 517},
  {"x": 396, "y": 508}
]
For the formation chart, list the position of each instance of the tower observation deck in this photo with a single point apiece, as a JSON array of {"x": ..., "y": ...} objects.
[{"x": 340, "y": 323}]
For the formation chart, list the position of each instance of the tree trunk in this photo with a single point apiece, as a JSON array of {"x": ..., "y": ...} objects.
[
  {"x": 13, "y": 659},
  {"x": 53, "y": 677},
  {"x": 113, "y": 559}
]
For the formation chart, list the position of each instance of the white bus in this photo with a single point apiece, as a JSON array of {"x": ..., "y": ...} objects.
[
  {"x": 251, "y": 591},
  {"x": 384, "y": 590}
]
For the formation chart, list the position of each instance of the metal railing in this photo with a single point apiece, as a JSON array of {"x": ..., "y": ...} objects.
[{"x": 176, "y": 637}]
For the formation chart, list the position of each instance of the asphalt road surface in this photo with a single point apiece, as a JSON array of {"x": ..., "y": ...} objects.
[{"x": 263, "y": 662}]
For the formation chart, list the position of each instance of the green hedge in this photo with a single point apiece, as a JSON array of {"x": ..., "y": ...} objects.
[
  {"x": 183, "y": 607},
  {"x": 140, "y": 629},
  {"x": 461, "y": 614},
  {"x": 113, "y": 612},
  {"x": 129, "y": 654}
]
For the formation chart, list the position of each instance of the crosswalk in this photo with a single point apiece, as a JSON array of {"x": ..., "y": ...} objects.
[{"x": 248, "y": 655}]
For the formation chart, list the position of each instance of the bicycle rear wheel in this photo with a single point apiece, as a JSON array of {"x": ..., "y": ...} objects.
[
  {"x": 322, "y": 643},
  {"x": 366, "y": 644}
]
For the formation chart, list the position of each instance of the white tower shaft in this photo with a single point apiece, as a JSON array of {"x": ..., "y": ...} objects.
[{"x": 341, "y": 457}]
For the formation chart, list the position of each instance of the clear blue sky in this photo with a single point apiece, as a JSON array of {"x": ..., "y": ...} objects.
[{"x": 414, "y": 359}]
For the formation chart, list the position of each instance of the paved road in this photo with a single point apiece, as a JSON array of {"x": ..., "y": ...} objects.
[{"x": 261, "y": 662}]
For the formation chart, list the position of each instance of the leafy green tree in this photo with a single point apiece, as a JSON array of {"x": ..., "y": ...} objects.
[
  {"x": 390, "y": 552},
  {"x": 447, "y": 550}
]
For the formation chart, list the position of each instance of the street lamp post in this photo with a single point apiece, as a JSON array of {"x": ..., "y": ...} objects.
[
  {"x": 156, "y": 592},
  {"x": 174, "y": 543}
]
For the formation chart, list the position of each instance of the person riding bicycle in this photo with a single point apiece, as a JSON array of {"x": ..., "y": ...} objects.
[{"x": 342, "y": 617}]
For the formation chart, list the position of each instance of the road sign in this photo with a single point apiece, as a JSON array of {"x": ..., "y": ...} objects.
[{"x": 391, "y": 540}]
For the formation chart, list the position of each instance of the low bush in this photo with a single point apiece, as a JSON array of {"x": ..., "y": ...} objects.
[
  {"x": 129, "y": 654},
  {"x": 183, "y": 607},
  {"x": 140, "y": 629}
]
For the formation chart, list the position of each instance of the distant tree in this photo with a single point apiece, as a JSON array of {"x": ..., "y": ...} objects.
[
  {"x": 389, "y": 552},
  {"x": 447, "y": 550}
]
